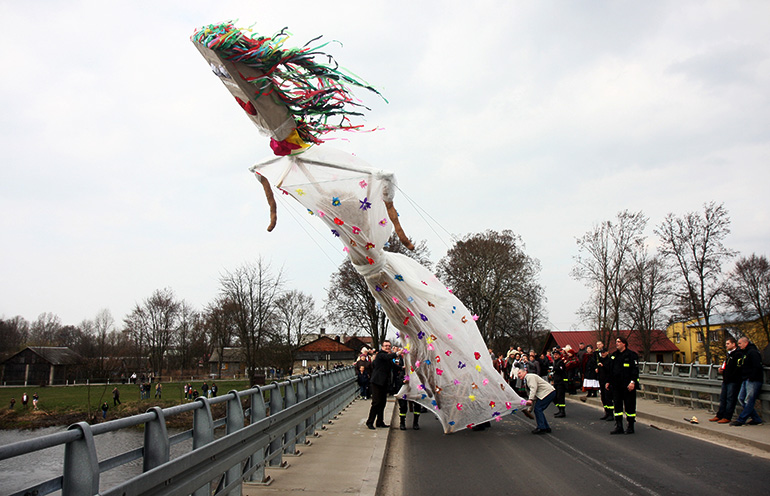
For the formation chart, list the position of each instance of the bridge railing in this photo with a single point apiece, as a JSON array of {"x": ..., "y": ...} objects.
[
  {"x": 280, "y": 416},
  {"x": 689, "y": 384}
]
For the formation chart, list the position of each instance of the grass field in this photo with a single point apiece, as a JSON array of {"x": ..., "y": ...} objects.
[{"x": 58, "y": 405}]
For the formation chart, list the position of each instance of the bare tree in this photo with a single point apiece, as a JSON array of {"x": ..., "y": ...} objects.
[
  {"x": 220, "y": 323},
  {"x": 100, "y": 328},
  {"x": 748, "y": 290},
  {"x": 296, "y": 317},
  {"x": 44, "y": 330},
  {"x": 349, "y": 301},
  {"x": 253, "y": 289},
  {"x": 153, "y": 324},
  {"x": 186, "y": 336},
  {"x": 647, "y": 295},
  {"x": 15, "y": 332},
  {"x": 602, "y": 264},
  {"x": 490, "y": 273},
  {"x": 525, "y": 316},
  {"x": 693, "y": 243}
]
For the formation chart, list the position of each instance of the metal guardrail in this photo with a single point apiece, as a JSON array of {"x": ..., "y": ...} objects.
[
  {"x": 281, "y": 415},
  {"x": 689, "y": 384}
]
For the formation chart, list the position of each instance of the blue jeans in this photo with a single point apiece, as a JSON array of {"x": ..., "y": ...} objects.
[
  {"x": 540, "y": 406},
  {"x": 727, "y": 399},
  {"x": 747, "y": 398}
]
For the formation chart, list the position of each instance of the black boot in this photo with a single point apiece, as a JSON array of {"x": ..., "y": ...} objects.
[
  {"x": 416, "y": 423},
  {"x": 630, "y": 428},
  {"x": 606, "y": 415},
  {"x": 618, "y": 425},
  {"x": 402, "y": 423}
]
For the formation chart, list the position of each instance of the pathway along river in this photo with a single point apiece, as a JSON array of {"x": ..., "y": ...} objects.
[{"x": 23, "y": 471}]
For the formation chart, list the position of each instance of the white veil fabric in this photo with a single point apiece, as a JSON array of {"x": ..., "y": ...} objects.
[{"x": 448, "y": 368}]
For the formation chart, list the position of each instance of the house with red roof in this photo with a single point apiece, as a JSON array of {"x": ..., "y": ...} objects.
[
  {"x": 662, "y": 349},
  {"x": 323, "y": 352}
]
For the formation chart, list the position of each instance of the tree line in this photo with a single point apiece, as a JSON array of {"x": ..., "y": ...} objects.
[
  {"x": 253, "y": 310},
  {"x": 166, "y": 334},
  {"x": 686, "y": 272}
]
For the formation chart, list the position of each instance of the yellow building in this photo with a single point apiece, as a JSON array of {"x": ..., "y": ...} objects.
[{"x": 691, "y": 336}]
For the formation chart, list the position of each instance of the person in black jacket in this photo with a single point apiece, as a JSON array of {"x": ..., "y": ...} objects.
[
  {"x": 731, "y": 382},
  {"x": 753, "y": 375},
  {"x": 560, "y": 383},
  {"x": 624, "y": 381},
  {"x": 382, "y": 373},
  {"x": 603, "y": 372}
]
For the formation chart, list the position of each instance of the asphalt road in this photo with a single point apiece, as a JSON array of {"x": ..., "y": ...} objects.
[{"x": 578, "y": 457}]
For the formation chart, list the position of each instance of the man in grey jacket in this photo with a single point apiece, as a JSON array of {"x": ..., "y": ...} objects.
[{"x": 541, "y": 394}]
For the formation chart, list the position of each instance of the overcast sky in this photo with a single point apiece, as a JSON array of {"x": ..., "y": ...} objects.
[{"x": 125, "y": 161}]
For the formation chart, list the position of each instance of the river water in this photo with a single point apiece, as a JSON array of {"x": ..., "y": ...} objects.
[{"x": 23, "y": 471}]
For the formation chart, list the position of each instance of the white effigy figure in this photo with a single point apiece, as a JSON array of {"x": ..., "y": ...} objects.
[{"x": 449, "y": 370}]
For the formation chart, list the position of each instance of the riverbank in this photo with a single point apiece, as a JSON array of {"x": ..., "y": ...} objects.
[
  {"x": 66, "y": 405},
  {"x": 20, "y": 418}
]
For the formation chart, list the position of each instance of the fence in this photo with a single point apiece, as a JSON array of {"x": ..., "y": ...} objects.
[
  {"x": 281, "y": 416},
  {"x": 689, "y": 384}
]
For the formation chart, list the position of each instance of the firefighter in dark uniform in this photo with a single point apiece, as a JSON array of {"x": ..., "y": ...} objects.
[
  {"x": 603, "y": 365},
  {"x": 560, "y": 383},
  {"x": 403, "y": 404},
  {"x": 623, "y": 383}
]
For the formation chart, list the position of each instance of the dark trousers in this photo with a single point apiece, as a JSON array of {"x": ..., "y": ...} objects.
[
  {"x": 379, "y": 399},
  {"x": 728, "y": 397},
  {"x": 561, "y": 391},
  {"x": 624, "y": 399},
  {"x": 606, "y": 398}
]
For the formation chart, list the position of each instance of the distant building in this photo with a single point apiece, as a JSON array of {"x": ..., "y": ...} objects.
[
  {"x": 358, "y": 342},
  {"x": 43, "y": 365},
  {"x": 691, "y": 336},
  {"x": 662, "y": 349},
  {"x": 232, "y": 363},
  {"x": 323, "y": 352}
]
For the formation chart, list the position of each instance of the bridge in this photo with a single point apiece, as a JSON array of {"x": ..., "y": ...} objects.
[{"x": 668, "y": 455}]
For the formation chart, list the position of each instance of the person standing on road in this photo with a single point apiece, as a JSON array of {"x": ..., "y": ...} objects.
[
  {"x": 731, "y": 383},
  {"x": 624, "y": 381},
  {"x": 590, "y": 377},
  {"x": 603, "y": 372},
  {"x": 405, "y": 406},
  {"x": 753, "y": 375},
  {"x": 382, "y": 373},
  {"x": 541, "y": 394},
  {"x": 560, "y": 384}
]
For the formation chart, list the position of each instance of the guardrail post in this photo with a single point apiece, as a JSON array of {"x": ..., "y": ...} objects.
[
  {"x": 302, "y": 425},
  {"x": 257, "y": 412},
  {"x": 326, "y": 411},
  {"x": 290, "y": 438},
  {"x": 81, "y": 466},
  {"x": 312, "y": 421},
  {"x": 203, "y": 434},
  {"x": 156, "y": 443},
  {"x": 234, "y": 423},
  {"x": 276, "y": 405}
]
